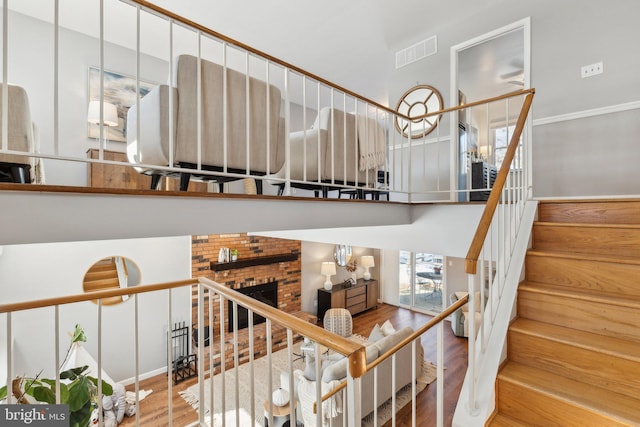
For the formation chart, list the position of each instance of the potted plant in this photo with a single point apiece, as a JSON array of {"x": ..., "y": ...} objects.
[
  {"x": 79, "y": 391},
  {"x": 234, "y": 254}
]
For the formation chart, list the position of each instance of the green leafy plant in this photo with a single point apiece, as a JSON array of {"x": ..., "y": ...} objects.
[{"x": 79, "y": 390}]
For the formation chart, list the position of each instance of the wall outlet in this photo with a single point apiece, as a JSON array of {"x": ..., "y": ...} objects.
[
  {"x": 592, "y": 70},
  {"x": 315, "y": 302}
]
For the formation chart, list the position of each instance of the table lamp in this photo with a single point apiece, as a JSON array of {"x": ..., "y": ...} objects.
[
  {"x": 110, "y": 117},
  {"x": 367, "y": 261},
  {"x": 328, "y": 269}
]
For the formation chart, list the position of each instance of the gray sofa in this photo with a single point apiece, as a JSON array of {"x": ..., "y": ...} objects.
[
  {"x": 22, "y": 135},
  {"x": 263, "y": 135},
  {"x": 338, "y": 370},
  {"x": 332, "y": 152}
]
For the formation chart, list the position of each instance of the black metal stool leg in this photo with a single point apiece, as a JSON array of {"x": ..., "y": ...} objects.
[
  {"x": 20, "y": 174},
  {"x": 184, "y": 181},
  {"x": 155, "y": 181}
]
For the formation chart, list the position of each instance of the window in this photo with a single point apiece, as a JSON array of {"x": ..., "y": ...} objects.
[
  {"x": 421, "y": 281},
  {"x": 501, "y": 137}
]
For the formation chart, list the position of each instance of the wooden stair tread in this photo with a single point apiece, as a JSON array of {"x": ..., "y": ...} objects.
[
  {"x": 111, "y": 274},
  {"x": 103, "y": 282},
  {"x": 501, "y": 420},
  {"x": 617, "y": 347},
  {"x": 587, "y": 201},
  {"x": 585, "y": 225},
  {"x": 579, "y": 294},
  {"x": 614, "y": 405},
  {"x": 620, "y": 259}
]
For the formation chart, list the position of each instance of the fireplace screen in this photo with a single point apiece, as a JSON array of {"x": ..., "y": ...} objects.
[{"x": 266, "y": 293}]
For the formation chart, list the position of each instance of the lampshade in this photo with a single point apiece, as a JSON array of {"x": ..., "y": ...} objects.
[
  {"x": 110, "y": 113},
  {"x": 328, "y": 268},
  {"x": 367, "y": 261}
]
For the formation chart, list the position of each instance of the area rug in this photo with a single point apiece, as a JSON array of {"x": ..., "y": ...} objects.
[{"x": 279, "y": 362}]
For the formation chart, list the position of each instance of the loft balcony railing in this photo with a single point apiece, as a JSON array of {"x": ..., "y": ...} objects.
[
  {"x": 191, "y": 103},
  {"x": 222, "y": 358}
]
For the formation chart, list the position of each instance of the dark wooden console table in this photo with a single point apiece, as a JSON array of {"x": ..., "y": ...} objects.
[{"x": 355, "y": 298}]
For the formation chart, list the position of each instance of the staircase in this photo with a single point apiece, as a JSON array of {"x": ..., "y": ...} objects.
[
  {"x": 101, "y": 276},
  {"x": 574, "y": 351}
]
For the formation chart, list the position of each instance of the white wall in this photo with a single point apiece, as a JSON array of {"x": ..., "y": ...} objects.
[
  {"x": 595, "y": 156},
  {"x": 389, "y": 273},
  {"x": 313, "y": 254},
  {"x": 562, "y": 42},
  {"x": 438, "y": 229},
  {"x": 34, "y": 71},
  {"x": 37, "y": 271}
]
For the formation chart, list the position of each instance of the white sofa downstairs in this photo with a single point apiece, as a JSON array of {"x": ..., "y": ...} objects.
[{"x": 333, "y": 373}]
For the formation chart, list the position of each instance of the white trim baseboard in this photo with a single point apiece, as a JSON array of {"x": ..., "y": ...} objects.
[
  {"x": 587, "y": 113},
  {"x": 144, "y": 376}
]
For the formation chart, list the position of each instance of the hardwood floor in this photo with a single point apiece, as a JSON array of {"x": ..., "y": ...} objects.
[{"x": 153, "y": 409}]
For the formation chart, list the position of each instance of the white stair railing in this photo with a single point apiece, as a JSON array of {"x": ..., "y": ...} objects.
[{"x": 493, "y": 264}]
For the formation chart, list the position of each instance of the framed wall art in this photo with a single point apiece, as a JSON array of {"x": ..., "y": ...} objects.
[{"x": 119, "y": 91}]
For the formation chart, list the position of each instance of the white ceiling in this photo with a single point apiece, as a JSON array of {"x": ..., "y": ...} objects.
[{"x": 351, "y": 43}]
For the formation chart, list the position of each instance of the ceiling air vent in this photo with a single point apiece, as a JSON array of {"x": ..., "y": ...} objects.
[{"x": 417, "y": 51}]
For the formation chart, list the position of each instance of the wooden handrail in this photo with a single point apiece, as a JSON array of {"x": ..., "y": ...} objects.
[
  {"x": 89, "y": 296},
  {"x": 416, "y": 334},
  {"x": 475, "y": 103},
  {"x": 471, "y": 261},
  {"x": 355, "y": 352}
]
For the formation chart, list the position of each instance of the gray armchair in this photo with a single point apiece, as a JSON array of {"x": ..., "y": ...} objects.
[{"x": 460, "y": 317}]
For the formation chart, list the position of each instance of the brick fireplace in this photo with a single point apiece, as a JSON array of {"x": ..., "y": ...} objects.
[{"x": 264, "y": 256}]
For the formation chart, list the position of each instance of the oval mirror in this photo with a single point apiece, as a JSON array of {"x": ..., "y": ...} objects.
[
  {"x": 111, "y": 273},
  {"x": 342, "y": 255}
]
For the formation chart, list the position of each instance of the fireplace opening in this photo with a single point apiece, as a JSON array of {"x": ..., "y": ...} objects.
[{"x": 266, "y": 293}]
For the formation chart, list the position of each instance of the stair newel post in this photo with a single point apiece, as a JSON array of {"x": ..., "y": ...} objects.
[{"x": 473, "y": 403}]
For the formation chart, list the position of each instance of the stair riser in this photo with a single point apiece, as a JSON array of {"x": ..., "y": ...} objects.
[
  {"x": 608, "y": 278},
  {"x": 591, "y": 240},
  {"x": 591, "y": 213},
  {"x": 589, "y": 366},
  {"x": 535, "y": 408},
  {"x": 589, "y": 316}
]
